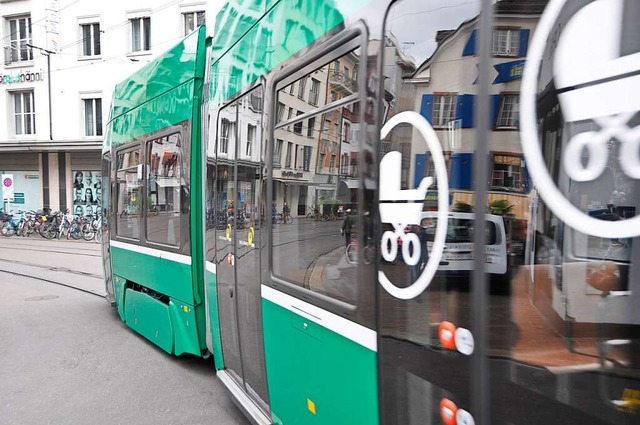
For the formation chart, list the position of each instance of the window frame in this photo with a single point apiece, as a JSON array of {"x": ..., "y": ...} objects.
[
  {"x": 438, "y": 118},
  {"x": 513, "y": 122},
  {"x": 136, "y": 145},
  {"x": 194, "y": 14},
  {"x": 16, "y": 44},
  {"x": 92, "y": 97},
  {"x": 95, "y": 40},
  {"x": 513, "y": 33},
  {"x": 147, "y": 145},
  {"x": 328, "y": 51},
  {"x": 144, "y": 35},
  {"x": 31, "y": 115}
]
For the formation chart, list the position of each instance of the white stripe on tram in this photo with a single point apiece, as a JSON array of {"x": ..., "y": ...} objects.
[
  {"x": 152, "y": 252},
  {"x": 348, "y": 329},
  {"x": 211, "y": 267}
]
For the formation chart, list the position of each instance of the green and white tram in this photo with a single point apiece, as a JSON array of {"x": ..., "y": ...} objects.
[{"x": 481, "y": 161}]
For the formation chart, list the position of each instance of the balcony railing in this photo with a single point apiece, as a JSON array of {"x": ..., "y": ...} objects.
[{"x": 340, "y": 79}]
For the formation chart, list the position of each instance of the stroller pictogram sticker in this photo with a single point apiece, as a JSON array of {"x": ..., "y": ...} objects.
[
  {"x": 404, "y": 207},
  {"x": 594, "y": 81}
]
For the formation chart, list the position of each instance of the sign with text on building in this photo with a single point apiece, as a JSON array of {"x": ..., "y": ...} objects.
[
  {"x": 7, "y": 186},
  {"x": 23, "y": 76}
]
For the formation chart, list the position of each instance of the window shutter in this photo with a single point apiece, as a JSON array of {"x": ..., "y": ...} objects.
[
  {"x": 460, "y": 176},
  {"x": 524, "y": 42},
  {"x": 464, "y": 110},
  {"x": 470, "y": 47},
  {"x": 495, "y": 109},
  {"x": 426, "y": 109},
  {"x": 421, "y": 162}
]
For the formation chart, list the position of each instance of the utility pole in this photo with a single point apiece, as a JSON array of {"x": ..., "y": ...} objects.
[{"x": 48, "y": 54}]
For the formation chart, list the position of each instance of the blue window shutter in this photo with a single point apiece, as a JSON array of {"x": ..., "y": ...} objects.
[
  {"x": 464, "y": 110},
  {"x": 426, "y": 109},
  {"x": 525, "y": 177},
  {"x": 524, "y": 42},
  {"x": 461, "y": 174},
  {"x": 421, "y": 165},
  {"x": 470, "y": 47},
  {"x": 495, "y": 108}
]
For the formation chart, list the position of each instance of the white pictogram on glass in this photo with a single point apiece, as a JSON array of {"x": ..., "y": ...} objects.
[
  {"x": 594, "y": 82},
  {"x": 401, "y": 208}
]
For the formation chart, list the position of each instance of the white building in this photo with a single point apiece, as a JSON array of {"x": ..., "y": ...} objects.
[{"x": 54, "y": 152}]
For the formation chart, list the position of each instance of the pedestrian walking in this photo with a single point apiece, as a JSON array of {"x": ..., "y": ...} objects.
[
  {"x": 285, "y": 213},
  {"x": 347, "y": 227}
]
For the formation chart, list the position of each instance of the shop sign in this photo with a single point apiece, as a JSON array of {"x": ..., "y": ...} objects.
[
  {"x": 306, "y": 159},
  {"x": 7, "y": 186},
  {"x": 21, "y": 77},
  {"x": 293, "y": 174},
  {"x": 508, "y": 71}
]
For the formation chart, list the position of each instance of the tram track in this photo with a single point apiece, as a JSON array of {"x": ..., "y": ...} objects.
[
  {"x": 48, "y": 251},
  {"x": 50, "y": 268}
]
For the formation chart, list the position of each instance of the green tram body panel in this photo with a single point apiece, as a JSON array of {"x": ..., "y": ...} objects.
[
  {"x": 163, "y": 93},
  {"x": 162, "y": 275},
  {"x": 314, "y": 363}
]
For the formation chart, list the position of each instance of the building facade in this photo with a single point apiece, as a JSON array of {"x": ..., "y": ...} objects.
[{"x": 61, "y": 60}]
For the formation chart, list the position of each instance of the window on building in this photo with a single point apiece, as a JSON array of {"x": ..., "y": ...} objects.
[
  {"x": 315, "y": 92},
  {"x": 280, "y": 111},
  {"x": 140, "y": 34},
  {"x": 92, "y": 117},
  {"x": 444, "y": 109},
  {"x": 25, "y": 114},
  {"x": 297, "y": 127},
  {"x": 344, "y": 166},
  {"x": 292, "y": 89},
  {"x": 336, "y": 67},
  {"x": 192, "y": 20},
  {"x": 225, "y": 131},
  {"x": 506, "y": 42},
  {"x": 310, "y": 128},
  {"x": 251, "y": 135},
  {"x": 509, "y": 115},
  {"x": 332, "y": 164},
  {"x": 321, "y": 158},
  {"x": 507, "y": 173},
  {"x": 21, "y": 37},
  {"x": 287, "y": 160},
  {"x": 346, "y": 138},
  {"x": 163, "y": 190},
  {"x": 325, "y": 128},
  {"x": 255, "y": 100},
  {"x": 129, "y": 205},
  {"x": 90, "y": 39},
  {"x": 301, "y": 86},
  {"x": 277, "y": 153}
]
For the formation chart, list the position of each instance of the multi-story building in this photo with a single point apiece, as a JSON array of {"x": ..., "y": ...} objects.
[
  {"x": 446, "y": 95},
  {"x": 61, "y": 62}
]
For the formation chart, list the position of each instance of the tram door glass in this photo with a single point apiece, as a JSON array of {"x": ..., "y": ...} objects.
[
  {"x": 315, "y": 165},
  {"x": 427, "y": 69},
  {"x": 563, "y": 320},
  {"x": 236, "y": 215}
]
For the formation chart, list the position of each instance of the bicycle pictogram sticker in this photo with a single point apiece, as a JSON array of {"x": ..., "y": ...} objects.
[{"x": 595, "y": 82}]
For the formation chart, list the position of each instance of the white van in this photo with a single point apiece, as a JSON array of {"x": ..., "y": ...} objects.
[{"x": 458, "y": 251}]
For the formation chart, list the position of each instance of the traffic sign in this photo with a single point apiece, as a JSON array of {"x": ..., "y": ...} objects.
[{"x": 7, "y": 186}]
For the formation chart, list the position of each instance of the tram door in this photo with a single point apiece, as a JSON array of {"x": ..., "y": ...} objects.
[
  {"x": 238, "y": 226},
  {"x": 422, "y": 371}
]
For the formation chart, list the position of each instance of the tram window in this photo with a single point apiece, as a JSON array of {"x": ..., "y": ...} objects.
[
  {"x": 163, "y": 190},
  {"x": 129, "y": 206},
  {"x": 315, "y": 202}
]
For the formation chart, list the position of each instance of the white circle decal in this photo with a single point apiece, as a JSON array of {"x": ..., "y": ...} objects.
[
  {"x": 591, "y": 32},
  {"x": 401, "y": 214}
]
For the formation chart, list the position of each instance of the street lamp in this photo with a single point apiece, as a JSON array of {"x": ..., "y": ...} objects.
[{"x": 48, "y": 54}]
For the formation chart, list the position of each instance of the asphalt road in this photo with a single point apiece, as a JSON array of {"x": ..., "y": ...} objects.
[{"x": 67, "y": 358}]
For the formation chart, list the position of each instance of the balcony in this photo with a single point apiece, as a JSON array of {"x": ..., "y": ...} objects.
[{"x": 342, "y": 83}]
